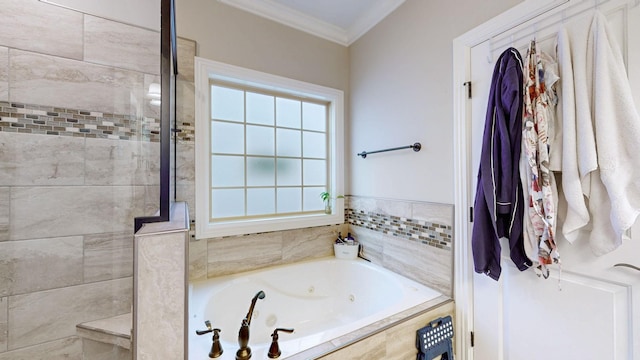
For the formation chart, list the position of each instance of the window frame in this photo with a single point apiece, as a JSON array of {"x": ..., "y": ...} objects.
[{"x": 208, "y": 70}]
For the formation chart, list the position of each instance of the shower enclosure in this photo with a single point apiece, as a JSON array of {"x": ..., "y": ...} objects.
[{"x": 79, "y": 160}]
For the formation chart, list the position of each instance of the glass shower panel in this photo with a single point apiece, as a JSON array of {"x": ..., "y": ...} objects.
[{"x": 79, "y": 160}]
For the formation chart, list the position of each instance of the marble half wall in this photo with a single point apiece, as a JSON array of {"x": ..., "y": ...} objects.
[{"x": 160, "y": 290}]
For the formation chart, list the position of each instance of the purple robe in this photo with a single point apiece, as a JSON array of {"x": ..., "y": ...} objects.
[{"x": 499, "y": 208}]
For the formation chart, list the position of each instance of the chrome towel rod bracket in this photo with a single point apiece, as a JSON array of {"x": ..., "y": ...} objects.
[{"x": 416, "y": 147}]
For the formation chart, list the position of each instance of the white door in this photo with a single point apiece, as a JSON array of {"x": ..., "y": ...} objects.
[{"x": 596, "y": 315}]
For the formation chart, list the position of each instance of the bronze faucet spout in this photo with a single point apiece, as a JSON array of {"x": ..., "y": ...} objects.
[
  {"x": 244, "y": 353},
  {"x": 259, "y": 295}
]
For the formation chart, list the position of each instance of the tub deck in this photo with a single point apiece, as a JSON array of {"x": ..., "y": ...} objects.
[{"x": 217, "y": 300}]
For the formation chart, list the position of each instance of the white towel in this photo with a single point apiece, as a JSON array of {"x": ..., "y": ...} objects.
[
  {"x": 577, "y": 215},
  {"x": 617, "y": 129},
  {"x": 600, "y": 136}
]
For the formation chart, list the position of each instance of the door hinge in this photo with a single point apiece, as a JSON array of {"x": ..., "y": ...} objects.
[
  {"x": 468, "y": 85},
  {"x": 470, "y": 213},
  {"x": 472, "y": 339}
]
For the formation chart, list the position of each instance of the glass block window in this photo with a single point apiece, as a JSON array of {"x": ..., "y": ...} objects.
[{"x": 269, "y": 153}]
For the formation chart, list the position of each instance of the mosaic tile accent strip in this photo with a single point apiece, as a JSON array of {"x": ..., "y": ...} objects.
[
  {"x": 49, "y": 120},
  {"x": 187, "y": 132},
  {"x": 428, "y": 233}
]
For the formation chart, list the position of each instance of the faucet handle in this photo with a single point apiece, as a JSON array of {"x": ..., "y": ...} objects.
[
  {"x": 274, "y": 349},
  {"x": 216, "y": 347},
  {"x": 207, "y": 323}
]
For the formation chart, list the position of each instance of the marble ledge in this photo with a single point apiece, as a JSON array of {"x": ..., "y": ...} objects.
[
  {"x": 370, "y": 330},
  {"x": 179, "y": 221},
  {"x": 115, "y": 330}
]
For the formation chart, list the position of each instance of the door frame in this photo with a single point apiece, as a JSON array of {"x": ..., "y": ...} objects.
[{"x": 463, "y": 174}]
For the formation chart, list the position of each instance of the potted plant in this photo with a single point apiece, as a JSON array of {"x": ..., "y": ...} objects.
[{"x": 326, "y": 197}]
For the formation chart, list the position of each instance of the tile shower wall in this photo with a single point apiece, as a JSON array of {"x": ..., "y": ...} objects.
[{"x": 78, "y": 161}]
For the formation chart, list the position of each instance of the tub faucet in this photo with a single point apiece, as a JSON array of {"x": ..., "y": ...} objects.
[{"x": 244, "y": 353}]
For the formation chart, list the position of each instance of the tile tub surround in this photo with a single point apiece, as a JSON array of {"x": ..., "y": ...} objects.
[
  {"x": 411, "y": 238},
  {"x": 229, "y": 255}
]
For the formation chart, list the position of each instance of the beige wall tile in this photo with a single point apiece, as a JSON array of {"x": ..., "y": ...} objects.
[
  {"x": 186, "y": 53},
  {"x": 69, "y": 348},
  {"x": 302, "y": 244},
  {"x": 48, "y": 80},
  {"x": 35, "y": 26},
  {"x": 95, "y": 350},
  {"x": 149, "y": 197},
  {"x": 38, "y": 212},
  {"x": 186, "y": 93},
  {"x": 426, "y": 264},
  {"x": 197, "y": 260},
  {"x": 108, "y": 256},
  {"x": 433, "y": 212},
  {"x": 243, "y": 253},
  {"x": 160, "y": 298},
  {"x": 4, "y": 73},
  {"x": 3, "y": 324},
  {"x": 122, "y": 162},
  {"x": 124, "y": 46},
  {"x": 27, "y": 159},
  {"x": 152, "y": 111},
  {"x": 34, "y": 265},
  {"x": 5, "y": 198},
  {"x": 187, "y": 193},
  {"x": 373, "y": 347},
  {"x": 186, "y": 163},
  {"x": 53, "y": 314}
]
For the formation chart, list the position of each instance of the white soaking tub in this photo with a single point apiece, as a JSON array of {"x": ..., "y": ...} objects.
[{"x": 321, "y": 299}]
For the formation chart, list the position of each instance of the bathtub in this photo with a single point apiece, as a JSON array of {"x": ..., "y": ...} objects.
[{"x": 321, "y": 299}]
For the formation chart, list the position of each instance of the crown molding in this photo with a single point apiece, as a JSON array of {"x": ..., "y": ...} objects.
[
  {"x": 372, "y": 17},
  {"x": 290, "y": 17},
  {"x": 284, "y": 15}
]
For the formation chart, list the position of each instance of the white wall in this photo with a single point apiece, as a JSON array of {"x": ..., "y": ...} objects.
[{"x": 401, "y": 93}]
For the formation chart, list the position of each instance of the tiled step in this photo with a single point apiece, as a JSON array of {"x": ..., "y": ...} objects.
[{"x": 115, "y": 330}]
